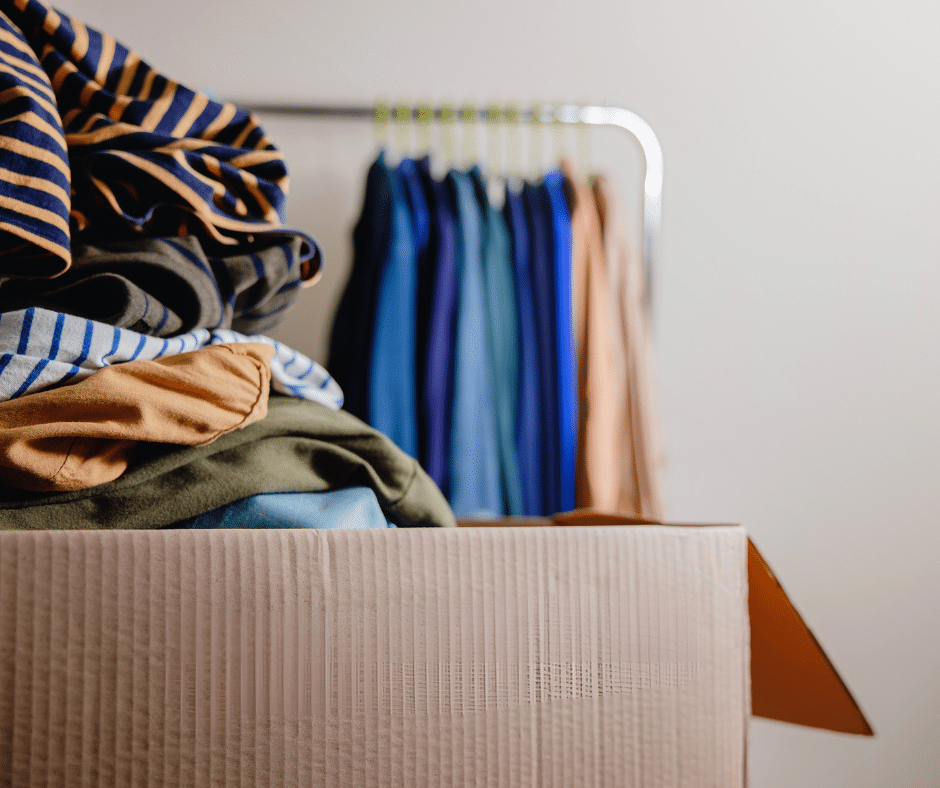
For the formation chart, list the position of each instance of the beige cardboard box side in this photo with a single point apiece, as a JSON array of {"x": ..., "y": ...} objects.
[
  {"x": 792, "y": 679},
  {"x": 554, "y": 656}
]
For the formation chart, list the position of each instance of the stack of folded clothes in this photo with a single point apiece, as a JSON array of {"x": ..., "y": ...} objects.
[{"x": 143, "y": 254}]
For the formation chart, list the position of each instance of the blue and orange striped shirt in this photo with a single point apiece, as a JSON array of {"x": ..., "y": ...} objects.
[{"x": 95, "y": 143}]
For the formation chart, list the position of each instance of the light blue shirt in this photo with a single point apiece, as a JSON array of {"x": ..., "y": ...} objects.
[
  {"x": 347, "y": 508},
  {"x": 476, "y": 488}
]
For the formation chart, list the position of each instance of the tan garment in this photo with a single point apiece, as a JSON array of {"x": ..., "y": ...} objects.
[
  {"x": 633, "y": 388},
  {"x": 599, "y": 441},
  {"x": 85, "y": 434}
]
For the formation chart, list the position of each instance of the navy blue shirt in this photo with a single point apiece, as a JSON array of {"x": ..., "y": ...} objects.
[
  {"x": 542, "y": 268},
  {"x": 528, "y": 402},
  {"x": 354, "y": 324},
  {"x": 437, "y": 322}
]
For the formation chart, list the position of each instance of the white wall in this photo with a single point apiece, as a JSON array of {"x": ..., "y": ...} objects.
[{"x": 798, "y": 299}]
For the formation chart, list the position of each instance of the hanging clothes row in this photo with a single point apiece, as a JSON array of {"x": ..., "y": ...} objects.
[{"x": 504, "y": 348}]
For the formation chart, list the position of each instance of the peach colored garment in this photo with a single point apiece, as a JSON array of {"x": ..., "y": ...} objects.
[
  {"x": 599, "y": 442},
  {"x": 633, "y": 387},
  {"x": 85, "y": 434}
]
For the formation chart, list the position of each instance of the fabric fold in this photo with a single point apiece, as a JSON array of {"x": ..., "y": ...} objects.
[
  {"x": 86, "y": 434},
  {"x": 299, "y": 446}
]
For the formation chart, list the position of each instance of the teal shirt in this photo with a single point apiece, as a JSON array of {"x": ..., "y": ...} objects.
[{"x": 502, "y": 328}]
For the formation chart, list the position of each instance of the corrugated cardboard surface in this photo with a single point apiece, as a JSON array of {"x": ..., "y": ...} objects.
[
  {"x": 792, "y": 679},
  {"x": 611, "y": 656}
]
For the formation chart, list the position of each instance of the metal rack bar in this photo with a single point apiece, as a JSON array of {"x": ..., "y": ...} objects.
[{"x": 564, "y": 113}]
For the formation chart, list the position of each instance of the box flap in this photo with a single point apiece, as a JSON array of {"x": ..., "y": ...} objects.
[{"x": 792, "y": 679}]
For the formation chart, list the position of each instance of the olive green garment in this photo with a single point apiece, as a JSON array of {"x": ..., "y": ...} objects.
[{"x": 300, "y": 446}]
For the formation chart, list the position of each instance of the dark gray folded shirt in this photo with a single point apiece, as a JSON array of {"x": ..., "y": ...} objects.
[{"x": 169, "y": 286}]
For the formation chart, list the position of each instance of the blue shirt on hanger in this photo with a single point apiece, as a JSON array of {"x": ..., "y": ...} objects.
[
  {"x": 542, "y": 269},
  {"x": 528, "y": 434},
  {"x": 564, "y": 327},
  {"x": 353, "y": 330},
  {"x": 420, "y": 215},
  {"x": 392, "y": 368},
  {"x": 437, "y": 325},
  {"x": 417, "y": 203},
  {"x": 475, "y": 485},
  {"x": 427, "y": 251},
  {"x": 502, "y": 330}
]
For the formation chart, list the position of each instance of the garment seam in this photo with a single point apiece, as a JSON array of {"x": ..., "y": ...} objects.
[
  {"x": 56, "y": 477},
  {"x": 261, "y": 393}
]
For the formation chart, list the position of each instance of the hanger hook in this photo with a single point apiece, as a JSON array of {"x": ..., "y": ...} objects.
[
  {"x": 513, "y": 143},
  {"x": 537, "y": 141},
  {"x": 559, "y": 134},
  {"x": 383, "y": 114},
  {"x": 469, "y": 119},
  {"x": 423, "y": 129},
  {"x": 403, "y": 123},
  {"x": 493, "y": 151},
  {"x": 448, "y": 136}
]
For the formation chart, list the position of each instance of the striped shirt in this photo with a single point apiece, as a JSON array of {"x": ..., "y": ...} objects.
[
  {"x": 46, "y": 349},
  {"x": 95, "y": 144}
]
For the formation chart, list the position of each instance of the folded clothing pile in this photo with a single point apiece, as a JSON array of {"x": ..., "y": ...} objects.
[{"x": 143, "y": 253}]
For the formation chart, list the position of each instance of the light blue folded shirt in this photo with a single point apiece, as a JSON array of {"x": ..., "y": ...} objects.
[{"x": 347, "y": 508}]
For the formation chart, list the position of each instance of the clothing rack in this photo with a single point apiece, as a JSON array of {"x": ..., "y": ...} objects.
[{"x": 571, "y": 114}]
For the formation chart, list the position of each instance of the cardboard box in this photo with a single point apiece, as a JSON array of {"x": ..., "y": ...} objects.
[
  {"x": 546, "y": 656},
  {"x": 792, "y": 679}
]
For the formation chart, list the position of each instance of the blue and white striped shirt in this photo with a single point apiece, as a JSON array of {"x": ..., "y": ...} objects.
[{"x": 44, "y": 349}]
